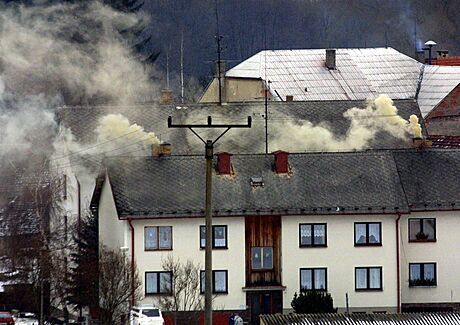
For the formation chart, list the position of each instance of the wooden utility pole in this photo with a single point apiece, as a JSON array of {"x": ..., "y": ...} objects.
[{"x": 209, "y": 153}]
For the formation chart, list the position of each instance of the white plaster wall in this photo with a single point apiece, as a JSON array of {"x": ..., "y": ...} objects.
[
  {"x": 186, "y": 246},
  {"x": 112, "y": 232},
  {"x": 445, "y": 252},
  {"x": 341, "y": 257}
]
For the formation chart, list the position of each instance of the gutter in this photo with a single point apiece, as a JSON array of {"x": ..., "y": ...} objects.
[
  {"x": 398, "y": 276},
  {"x": 132, "y": 262}
]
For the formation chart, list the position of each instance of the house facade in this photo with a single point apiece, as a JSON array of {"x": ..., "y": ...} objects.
[{"x": 371, "y": 228}]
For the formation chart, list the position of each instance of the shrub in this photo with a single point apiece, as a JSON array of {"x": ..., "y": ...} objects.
[{"x": 312, "y": 301}]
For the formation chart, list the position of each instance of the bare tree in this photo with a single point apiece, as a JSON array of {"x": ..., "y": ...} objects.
[
  {"x": 185, "y": 290},
  {"x": 118, "y": 284}
]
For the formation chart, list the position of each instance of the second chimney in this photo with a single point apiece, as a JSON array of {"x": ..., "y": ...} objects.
[
  {"x": 281, "y": 162},
  {"x": 224, "y": 166},
  {"x": 330, "y": 59}
]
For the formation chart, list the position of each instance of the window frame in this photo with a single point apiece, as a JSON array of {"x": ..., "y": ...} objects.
[
  {"x": 421, "y": 230},
  {"x": 262, "y": 268},
  {"x": 158, "y": 283},
  {"x": 213, "y": 237},
  {"x": 202, "y": 279},
  {"x": 312, "y": 228},
  {"x": 422, "y": 275},
  {"x": 367, "y": 243},
  {"x": 368, "y": 275},
  {"x": 312, "y": 269},
  {"x": 158, "y": 239}
]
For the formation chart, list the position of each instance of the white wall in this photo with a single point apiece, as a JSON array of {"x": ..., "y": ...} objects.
[
  {"x": 341, "y": 257},
  {"x": 112, "y": 232},
  {"x": 444, "y": 252},
  {"x": 186, "y": 245}
]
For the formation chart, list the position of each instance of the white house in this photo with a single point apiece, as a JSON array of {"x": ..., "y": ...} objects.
[{"x": 378, "y": 227}]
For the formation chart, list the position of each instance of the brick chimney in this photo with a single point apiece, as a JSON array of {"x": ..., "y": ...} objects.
[
  {"x": 224, "y": 166},
  {"x": 166, "y": 96},
  {"x": 330, "y": 59},
  {"x": 281, "y": 162},
  {"x": 163, "y": 150}
]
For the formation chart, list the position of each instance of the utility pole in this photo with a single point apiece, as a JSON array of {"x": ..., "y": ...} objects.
[{"x": 209, "y": 152}]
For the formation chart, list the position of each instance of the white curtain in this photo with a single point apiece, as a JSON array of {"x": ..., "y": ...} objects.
[
  {"x": 151, "y": 237},
  {"x": 414, "y": 272},
  {"x": 151, "y": 282},
  {"x": 374, "y": 278},
  {"x": 374, "y": 233},
  {"x": 220, "y": 281},
  {"x": 165, "y": 237},
  {"x": 306, "y": 280},
  {"x": 361, "y": 278},
  {"x": 305, "y": 234},
  {"x": 219, "y": 237},
  {"x": 320, "y": 234},
  {"x": 428, "y": 270},
  {"x": 202, "y": 236},
  {"x": 360, "y": 233},
  {"x": 320, "y": 279},
  {"x": 165, "y": 282}
]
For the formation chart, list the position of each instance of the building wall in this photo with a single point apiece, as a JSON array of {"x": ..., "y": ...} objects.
[
  {"x": 237, "y": 90},
  {"x": 444, "y": 252},
  {"x": 340, "y": 257},
  {"x": 186, "y": 245},
  {"x": 112, "y": 232}
]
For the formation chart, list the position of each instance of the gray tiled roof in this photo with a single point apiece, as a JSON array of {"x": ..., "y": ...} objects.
[
  {"x": 332, "y": 183},
  {"x": 83, "y": 121},
  {"x": 358, "y": 319},
  {"x": 370, "y": 182},
  {"x": 431, "y": 178}
]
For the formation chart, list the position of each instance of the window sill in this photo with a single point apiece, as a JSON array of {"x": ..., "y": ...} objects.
[
  {"x": 368, "y": 245},
  {"x": 217, "y": 293},
  {"x": 157, "y": 249},
  {"x": 423, "y": 286},
  {"x": 214, "y": 248},
  {"x": 369, "y": 290},
  {"x": 317, "y": 290},
  {"x": 422, "y": 240},
  {"x": 312, "y": 246},
  {"x": 159, "y": 294}
]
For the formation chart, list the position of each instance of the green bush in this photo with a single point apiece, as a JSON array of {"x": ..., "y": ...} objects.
[{"x": 313, "y": 301}]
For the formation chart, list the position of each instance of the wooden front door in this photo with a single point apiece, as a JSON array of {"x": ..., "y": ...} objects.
[{"x": 264, "y": 302}]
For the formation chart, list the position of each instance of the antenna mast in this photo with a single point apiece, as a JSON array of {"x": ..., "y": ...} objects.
[
  {"x": 182, "y": 67},
  {"x": 219, "y": 53}
]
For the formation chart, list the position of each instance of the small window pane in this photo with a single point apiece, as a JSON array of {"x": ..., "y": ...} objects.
[
  {"x": 428, "y": 271},
  {"x": 306, "y": 280},
  {"x": 320, "y": 279},
  {"x": 220, "y": 239},
  {"x": 151, "y": 280},
  {"x": 374, "y": 278},
  {"x": 256, "y": 257},
  {"x": 165, "y": 282},
  {"x": 305, "y": 235},
  {"x": 414, "y": 272},
  {"x": 220, "y": 281},
  {"x": 360, "y": 233},
  {"x": 268, "y": 258},
  {"x": 361, "y": 278},
  {"x": 429, "y": 228},
  {"x": 374, "y": 233},
  {"x": 165, "y": 237},
  {"x": 151, "y": 238},
  {"x": 414, "y": 228},
  {"x": 319, "y": 234},
  {"x": 202, "y": 236},
  {"x": 202, "y": 281}
]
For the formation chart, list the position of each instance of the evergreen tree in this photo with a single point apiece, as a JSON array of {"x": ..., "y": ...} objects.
[
  {"x": 313, "y": 301},
  {"x": 84, "y": 271}
]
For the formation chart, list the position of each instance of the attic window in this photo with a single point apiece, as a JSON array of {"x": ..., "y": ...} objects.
[{"x": 257, "y": 181}]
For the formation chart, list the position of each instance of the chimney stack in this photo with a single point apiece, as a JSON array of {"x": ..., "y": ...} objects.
[
  {"x": 163, "y": 150},
  {"x": 420, "y": 56},
  {"x": 289, "y": 98},
  {"x": 281, "y": 162},
  {"x": 330, "y": 59},
  {"x": 220, "y": 73},
  {"x": 166, "y": 96},
  {"x": 421, "y": 143},
  {"x": 224, "y": 166},
  {"x": 443, "y": 54}
]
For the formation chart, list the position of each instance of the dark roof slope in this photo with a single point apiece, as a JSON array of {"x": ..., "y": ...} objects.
[
  {"x": 369, "y": 319},
  {"x": 328, "y": 183},
  {"x": 430, "y": 178},
  {"x": 83, "y": 121}
]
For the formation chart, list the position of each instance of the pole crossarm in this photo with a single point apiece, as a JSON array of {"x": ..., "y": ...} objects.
[{"x": 209, "y": 147}]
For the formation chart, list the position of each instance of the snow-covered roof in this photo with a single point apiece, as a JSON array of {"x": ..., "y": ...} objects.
[
  {"x": 437, "y": 83},
  {"x": 359, "y": 74}
]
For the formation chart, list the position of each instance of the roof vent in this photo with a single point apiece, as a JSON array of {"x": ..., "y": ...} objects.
[
  {"x": 281, "y": 162},
  {"x": 330, "y": 59},
  {"x": 224, "y": 166},
  {"x": 257, "y": 181}
]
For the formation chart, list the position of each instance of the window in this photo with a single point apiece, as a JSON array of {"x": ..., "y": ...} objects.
[
  {"x": 312, "y": 235},
  {"x": 219, "y": 281},
  {"x": 158, "y": 282},
  {"x": 157, "y": 238},
  {"x": 368, "y": 278},
  {"x": 368, "y": 233},
  {"x": 313, "y": 279},
  {"x": 262, "y": 258},
  {"x": 422, "y": 229},
  {"x": 422, "y": 274},
  {"x": 219, "y": 236}
]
